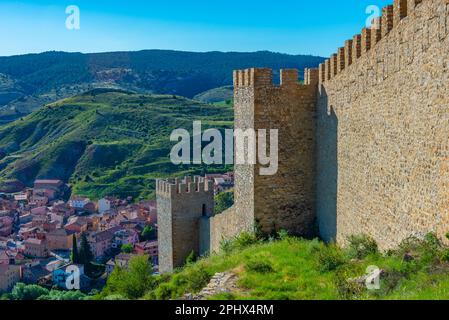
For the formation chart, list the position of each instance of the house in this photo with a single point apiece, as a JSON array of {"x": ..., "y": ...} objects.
[
  {"x": 104, "y": 205},
  {"x": 36, "y": 248},
  {"x": 48, "y": 193},
  {"x": 6, "y": 226},
  {"x": 39, "y": 220},
  {"x": 11, "y": 257},
  {"x": 122, "y": 260},
  {"x": 4, "y": 258},
  {"x": 101, "y": 242},
  {"x": 39, "y": 201},
  {"x": 39, "y": 211},
  {"x": 51, "y": 189},
  {"x": 60, "y": 275},
  {"x": 62, "y": 209},
  {"x": 125, "y": 236},
  {"x": 33, "y": 271},
  {"x": 21, "y": 197},
  {"x": 77, "y": 224},
  {"x": 222, "y": 182},
  {"x": 26, "y": 232},
  {"x": 60, "y": 239},
  {"x": 149, "y": 248},
  {"x": 50, "y": 226},
  {"x": 9, "y": 276},
  {"x": 48, "y": 184},
  {"x": 78, "y": 203}
]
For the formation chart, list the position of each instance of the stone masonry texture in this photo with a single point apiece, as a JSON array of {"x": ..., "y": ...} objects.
[
  {"x": 383, "y": 133},
  {"x": 363, "y": 143},
  {"x": 181, "y": 204}
]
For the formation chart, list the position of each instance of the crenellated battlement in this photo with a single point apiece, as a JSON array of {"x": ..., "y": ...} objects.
[
  {"x": 178, "y": 187},
  {"x": 263, "y": 77},
  {"x": 363, "y": 43},
  {"x": 364, "y": 154}
]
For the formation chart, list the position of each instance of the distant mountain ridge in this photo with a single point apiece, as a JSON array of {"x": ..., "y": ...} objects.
[{"x": 30, "y": 81}]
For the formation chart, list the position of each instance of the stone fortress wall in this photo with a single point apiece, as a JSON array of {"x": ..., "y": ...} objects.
[
  {"x": 383, "y": 128},
  {"x": 363, "y": 143}
]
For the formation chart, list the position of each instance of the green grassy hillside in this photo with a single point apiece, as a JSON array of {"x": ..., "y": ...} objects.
[
  {"x": 216, "y": 95},
  {"x": 289, "y": 268},
  {"x": 104, "y": 142}
]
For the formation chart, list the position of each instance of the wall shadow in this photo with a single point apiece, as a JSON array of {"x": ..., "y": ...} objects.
[{"x": 326, "y": 168}]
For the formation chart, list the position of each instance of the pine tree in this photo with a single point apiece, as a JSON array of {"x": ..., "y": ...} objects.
[
  {"x": 75, "y": 254},
  {"x": 85, "y": 254}
]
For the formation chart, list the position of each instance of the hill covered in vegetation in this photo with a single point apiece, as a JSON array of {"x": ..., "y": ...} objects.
[
  {"x": 216, "y": 95},
  {"x": 29, "y": 81},
  {"x": 105, "y": 141},
  {"x": 288, "y": 268}
]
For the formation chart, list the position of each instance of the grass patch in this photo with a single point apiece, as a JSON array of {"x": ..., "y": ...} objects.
[{"x": 289, "y": 268}]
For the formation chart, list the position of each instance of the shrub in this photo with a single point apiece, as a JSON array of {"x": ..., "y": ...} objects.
[
  {"x": 361, "y": 246},
  {"x": 347, "y": 289},
  {"x": 432, "y": 241},
  {"x": 283, "y": 234},
  {"x": 22, "y": 291},
  {"x": 165, "y": 291},
  {"x": 196, "y": 278},
  {"x": 244, "y": 240},
  {"x": 330, "y": 258},
  {"x": 422, "y": 251},
  {"x": 191, "y": 258},
  {"x": 444, "y": 255},
  {"x": 259, "y": 266}
]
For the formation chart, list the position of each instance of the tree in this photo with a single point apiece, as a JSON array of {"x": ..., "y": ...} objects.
[
  {"x": 22, "y": 291},
  {"x": 85, "y": 254},
  {"x": 131, "y": 283},
  {"x": 75, "y": 254},
  {"x": 148, "y": 233},
  {"x": 223, "y": 201},
  {"x": 127, "y": 248}
]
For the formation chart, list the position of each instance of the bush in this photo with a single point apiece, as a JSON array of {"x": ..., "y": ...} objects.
[
  {"x": 259, "y": 266},
  {"x": 361, "y": 246},
  {"x": 191, "y": 258},
  {"x": 127, "y": 248},
  {"x": 347, "y": 289},
  {"x": 22, "y": 291},
  {"x": 223, "y": 201},
  {"x": 283, "y": 234},
  {"x": 330, "y": 257},
  {"x": 244, "y": 240},
  {"x": 422, "y": 251},
  {"x": 164, "y": 291},
  {"x": 196, "y": 278}
]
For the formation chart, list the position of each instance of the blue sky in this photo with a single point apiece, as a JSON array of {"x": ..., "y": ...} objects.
[{"x": 297, "y": 27}]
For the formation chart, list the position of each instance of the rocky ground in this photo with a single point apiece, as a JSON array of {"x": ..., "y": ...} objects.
[{"x": 220, "y": 283}]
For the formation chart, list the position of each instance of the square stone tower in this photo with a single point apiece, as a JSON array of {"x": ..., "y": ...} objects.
[
  {"x": 181, "y": 204},
  {"x": 285, "y": 200}
]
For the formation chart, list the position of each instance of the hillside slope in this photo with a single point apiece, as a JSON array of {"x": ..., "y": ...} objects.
[
  {"x": 296, "y": 269},
  {"x": 104, "y": 142},
  {"x": 216, "y": 95},
  {"x": 29, "y": 81}
]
